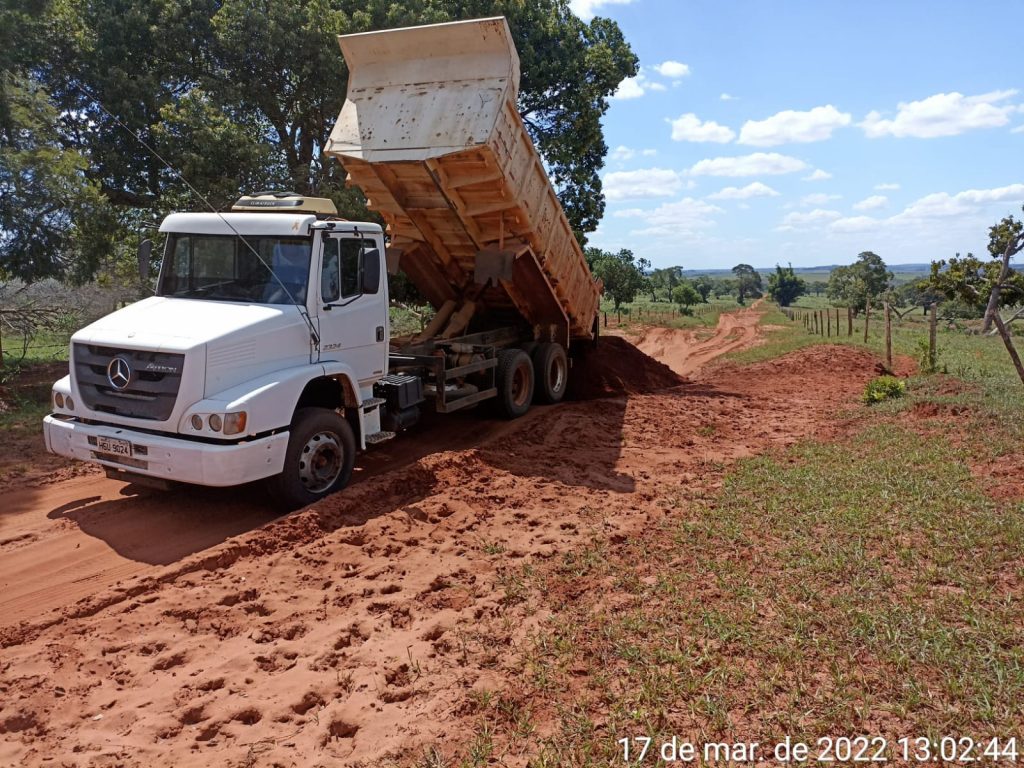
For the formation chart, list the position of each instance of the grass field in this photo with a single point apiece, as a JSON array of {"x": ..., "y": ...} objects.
[{"x": 862, "y": 585}]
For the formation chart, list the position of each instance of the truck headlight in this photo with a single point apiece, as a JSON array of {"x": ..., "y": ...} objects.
[
  {"x": 58, "y": 399},
  {"x": 215, "y": 422},
  {"x": 197, "y": 422},
  {"x": 69, "y": 403},
  {"x": 234, "y": 422}
]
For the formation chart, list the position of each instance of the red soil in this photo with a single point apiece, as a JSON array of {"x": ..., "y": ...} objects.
[{"x": 190, "y": 629}]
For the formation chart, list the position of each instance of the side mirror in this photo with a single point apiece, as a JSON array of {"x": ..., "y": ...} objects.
[
  {"x": 145, "y": 252},
  {"x": 371, "y": 271}
]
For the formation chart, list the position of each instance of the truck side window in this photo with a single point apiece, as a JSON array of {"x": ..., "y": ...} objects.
[
  {"x": 350, "y": 266},
  {"x": 342, "y": 267},
  {"x": 330, "y": 276}
]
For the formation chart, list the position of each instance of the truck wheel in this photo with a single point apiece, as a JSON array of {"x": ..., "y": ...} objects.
[
  {"x": 321, "y": 453},
  {"x": 552, "y": 372},
  {"x": 514, "y": 379}
]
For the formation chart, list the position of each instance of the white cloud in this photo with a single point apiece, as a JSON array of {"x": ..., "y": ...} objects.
[
  {"x": 871, "y": 203},
  {"x": 727, "y": 97},
  {"x": 630, "y": 88},
  {"x": 672, "y": 69},
  {"x": 689, "y": 127},
  {"x": 622, "y": 153},
  {"x": 754, "y": 189},
  {"x": 818, "y": 175},
  {"x": 789, "y": 126},
  {"x": 587, "y": 9},
  {"x": 635, "y": 87},
  {"x": 944, "y": 114},
  {"x": 797, "y": 221},
  {"x": 683, "y": 217},
  {"x": 1018, "y": 129},
  {"x": 818, "y": 198},
  {"x": 886, "y": 187},
  {"x": 852, "y": 224},
  {"x": 965, "y": 210},
  {"x": 646, "y": 182},
  {"x": 757, "y": 164}
]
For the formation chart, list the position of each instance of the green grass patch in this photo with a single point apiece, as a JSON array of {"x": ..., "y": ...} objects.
[{"x": 839, "y": 589}]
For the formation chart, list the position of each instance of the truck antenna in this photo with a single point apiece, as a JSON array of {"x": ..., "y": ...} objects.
[{"x": 313, "y": 335}]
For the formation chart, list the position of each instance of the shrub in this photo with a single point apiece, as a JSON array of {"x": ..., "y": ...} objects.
[{"x": 884, "y": 388}]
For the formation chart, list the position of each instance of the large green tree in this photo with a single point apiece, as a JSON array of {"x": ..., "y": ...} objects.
[
  {"x": 622, "y": 273},
  {"x": 238, "y": 94},
  {"x": 860, "y": 283},
  {"x": 748, "y": 282},
  {"x": 784, "y": 286}
]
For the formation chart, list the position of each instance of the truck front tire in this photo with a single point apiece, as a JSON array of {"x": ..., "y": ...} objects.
[
  {"x": 319, "y": 460},
  {"x": 551, "y": 365},
  {"x": 514, "y": 379}
]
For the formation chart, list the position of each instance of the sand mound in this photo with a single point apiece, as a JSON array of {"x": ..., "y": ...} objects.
[{"x": 616, "y": 368}]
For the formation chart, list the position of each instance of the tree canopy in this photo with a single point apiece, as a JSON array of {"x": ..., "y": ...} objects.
[
  {"x": 239, "y": 95},
  {"x": 622, "y": 273},
  {"x": 784, "y": 286},
  {"x": 860, "y": 283},
  {"x": 988, "y": 284},
  {"x": 748, "y": 282}
]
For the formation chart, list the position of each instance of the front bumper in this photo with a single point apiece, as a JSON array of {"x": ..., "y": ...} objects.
[{"x": 168, "y": 458}]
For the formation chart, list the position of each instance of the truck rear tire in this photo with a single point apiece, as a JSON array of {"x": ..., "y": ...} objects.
[
  {"x": 551, "y": 366},
  {"x": 319, "y": 459},
  {"x": 514, "y": 379}
]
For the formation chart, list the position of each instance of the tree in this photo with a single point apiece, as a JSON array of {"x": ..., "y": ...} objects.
[
  {"x": 784, "y": 286},
  {"x": 703, "y": 284},
  {"x": 685, "y": 295},
  {"x": 748, "y": 282},
  {"x": 242, "y": 94},
  {"x": 665, "y": 279},
  {"x": 622, "y": 274},
  {"x": 859, "y": 283},
  {"x": 985, "y": 284}
]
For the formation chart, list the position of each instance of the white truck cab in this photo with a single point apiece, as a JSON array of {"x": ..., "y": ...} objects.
[{"x": 256, "y": 358}]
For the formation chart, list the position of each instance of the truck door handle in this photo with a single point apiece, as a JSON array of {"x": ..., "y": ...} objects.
[{"x": 380, "y": 333}]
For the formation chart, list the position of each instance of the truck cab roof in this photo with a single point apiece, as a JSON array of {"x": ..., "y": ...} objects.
[{"x": 266, "y": 224}]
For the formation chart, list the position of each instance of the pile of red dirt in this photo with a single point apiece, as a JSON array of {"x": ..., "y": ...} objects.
[{"x": 617, "y": 368}]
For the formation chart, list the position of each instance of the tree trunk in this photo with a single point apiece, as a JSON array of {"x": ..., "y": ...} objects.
[
  {"x": 1008, "y": 342},
  {"x": 993, "y": 297}
]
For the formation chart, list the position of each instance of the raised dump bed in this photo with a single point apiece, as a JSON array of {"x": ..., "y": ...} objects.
[{"x": 431, "y": 134}]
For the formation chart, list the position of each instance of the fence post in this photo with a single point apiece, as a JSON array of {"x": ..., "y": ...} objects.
[
  {"x": 867, "y": 319},
  {"x": 933, "y": 324},
  {"x": 849, "y": 321},
  {"x": 815, "y": 323},
  {"x": 888, "y": 336},
  {"x": 828, "y": 317},
  {"x": 837, "y": 322},
  {"x": 605, "y": 319}
]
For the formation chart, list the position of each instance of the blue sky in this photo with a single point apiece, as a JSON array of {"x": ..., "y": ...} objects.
[{"x": 806, "y": 132}]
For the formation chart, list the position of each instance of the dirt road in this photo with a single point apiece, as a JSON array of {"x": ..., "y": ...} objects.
[
  {"x": 685, "y": 352},
  {"x": 192, "y": 631}
]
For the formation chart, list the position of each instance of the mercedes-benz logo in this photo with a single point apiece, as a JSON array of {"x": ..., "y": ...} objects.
[{"x": 119, "y": 373}]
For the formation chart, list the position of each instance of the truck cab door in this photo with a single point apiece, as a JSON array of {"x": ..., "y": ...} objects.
[{"x": 353, "y": 297}]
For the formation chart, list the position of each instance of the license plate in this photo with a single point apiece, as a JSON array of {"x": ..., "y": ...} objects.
[{"x": 113, "y": 445}]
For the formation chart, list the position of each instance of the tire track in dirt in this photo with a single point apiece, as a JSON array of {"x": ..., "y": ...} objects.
[
  {"x": 356, "y": 632},
  {"x": 685, "y": 354}
]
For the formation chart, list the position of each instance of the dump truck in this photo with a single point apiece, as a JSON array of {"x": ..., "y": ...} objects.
[{"x": 266, "y": 352}]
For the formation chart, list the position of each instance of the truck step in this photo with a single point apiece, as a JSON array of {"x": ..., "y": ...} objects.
[
  {"x": 379, "y": 437},
  {"x": 373, "y": 402}
]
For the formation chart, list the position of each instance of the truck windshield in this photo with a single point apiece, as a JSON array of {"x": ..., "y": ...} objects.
[{"x": 223, "y": 268}]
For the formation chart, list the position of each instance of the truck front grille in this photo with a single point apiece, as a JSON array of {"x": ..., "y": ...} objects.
[{"x": 128, "y": 382}]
